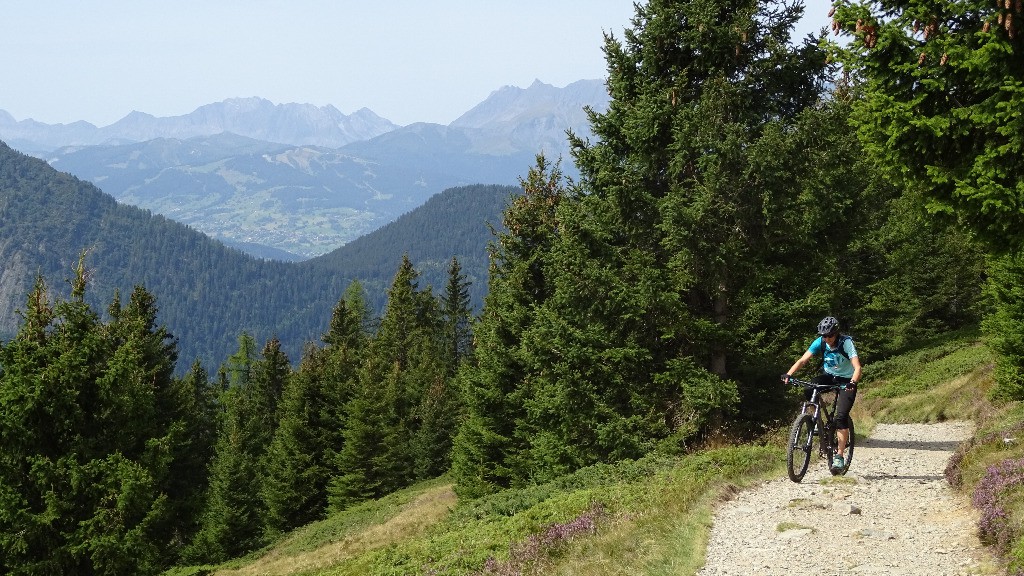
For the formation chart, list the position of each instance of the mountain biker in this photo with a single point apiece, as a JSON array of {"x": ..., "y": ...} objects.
[{"x": 840, "y": 366}]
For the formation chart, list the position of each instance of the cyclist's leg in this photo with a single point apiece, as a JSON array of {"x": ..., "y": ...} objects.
[{"x": 846, "y": 400}]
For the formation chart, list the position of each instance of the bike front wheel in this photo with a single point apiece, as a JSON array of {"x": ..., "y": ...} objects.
[{"x": 798, "y": 454}]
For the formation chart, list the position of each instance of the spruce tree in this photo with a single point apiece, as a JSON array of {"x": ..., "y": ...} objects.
[
  {"x": 233, "y": 520},
  {"x": 621, "y": 309},
  {"x": 486, "y": 449},
  {"x": 337, "y": 367},
  {"x": 299, "y": 463},
  {"x": 350, "y": 319},
  {"x": 85, "y": 472},
  {"x": 194, "y": 432},
  {"x": 943, "y": 83},
  {"x": 403, "y": 360},
  {"x": 457, "y": 317},
  {"x": 374, "y": 460}
]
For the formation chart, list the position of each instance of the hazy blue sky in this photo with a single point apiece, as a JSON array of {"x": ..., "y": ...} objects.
[{"x": 407, "y": 60}]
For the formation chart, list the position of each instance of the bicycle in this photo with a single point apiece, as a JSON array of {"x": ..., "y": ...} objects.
[{"x": 816, "y": 415}]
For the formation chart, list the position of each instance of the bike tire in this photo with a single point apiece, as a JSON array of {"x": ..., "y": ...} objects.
[
  {"x": 801, "y": 442},
  {"x": 847, "y": 455}
]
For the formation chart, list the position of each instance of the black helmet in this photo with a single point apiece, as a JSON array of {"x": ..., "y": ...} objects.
[{"x": 828, "y": 325}]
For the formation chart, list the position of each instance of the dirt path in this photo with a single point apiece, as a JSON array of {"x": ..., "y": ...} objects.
[{"x": 893, "y": 514}]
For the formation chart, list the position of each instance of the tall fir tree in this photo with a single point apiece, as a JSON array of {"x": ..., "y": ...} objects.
[
  {"x": 194, "y": 428},
  {"x": 297, "y": 466},
  {"x": 402, "y": 362},
  {"x": 231, "y": 522},
  {"x": 457, "y": 317},
  {"x": 486, "y": 449},
  {"x": 943, "y": 86},
  {"x": 645, "y": 303},
  {"x": 85, "y": 472},
  {"x": 234, "y": 515}
]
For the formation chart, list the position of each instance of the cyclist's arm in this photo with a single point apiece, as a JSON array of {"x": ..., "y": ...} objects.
[
  {"x": 803, "y": 360},
  {"x": 856, "y": 369}
]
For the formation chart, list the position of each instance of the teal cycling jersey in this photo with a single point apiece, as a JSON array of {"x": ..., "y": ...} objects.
[{"x": 836, "y": 363}]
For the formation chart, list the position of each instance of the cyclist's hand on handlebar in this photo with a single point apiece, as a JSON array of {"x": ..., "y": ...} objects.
[{"x": 785, "y": 378}]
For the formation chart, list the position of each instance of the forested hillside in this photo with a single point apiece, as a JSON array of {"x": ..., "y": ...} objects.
[
  {"x": 208, "y": 294},
  {"x": 739, "y": 187},
  {"x": 455, "y": 223}
]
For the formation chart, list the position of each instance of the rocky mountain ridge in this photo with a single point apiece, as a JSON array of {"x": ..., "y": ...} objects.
[
  {"x": 257, "y": 118},
  {"x": 268, "y": 189}
]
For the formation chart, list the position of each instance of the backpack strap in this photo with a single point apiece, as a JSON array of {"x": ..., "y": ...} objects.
[{"x": 840, "y": 345}]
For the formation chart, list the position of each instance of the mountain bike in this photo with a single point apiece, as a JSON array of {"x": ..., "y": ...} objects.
[{"x": 817, "y": 417}]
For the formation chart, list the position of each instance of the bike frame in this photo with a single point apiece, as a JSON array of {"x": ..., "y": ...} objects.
[
  {"x": 821, "y": 416},
  {"x": 824, "y": 412}
]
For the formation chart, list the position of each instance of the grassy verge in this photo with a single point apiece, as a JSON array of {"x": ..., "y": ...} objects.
[
  {"x": 943, "y": 381},
  {"x": 609, "y": 516},
  {"x": 990, "y": 470},
  {"x": 649, "y": 516}
]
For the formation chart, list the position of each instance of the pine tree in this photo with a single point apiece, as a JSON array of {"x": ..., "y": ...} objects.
[
  {"x": 621, "y": 308},
  {"x": 85, "y": 471},
  {"x": 269, "y": 379},
  {"x": 943, "y": 86},
  {"x": 402, "y": 362},
  {"x": 194, "y": 433},
  {"x": 233, "y": 519},
  {"x": 350, "y": 320},
  {"x": 455, "y": 310},
  {"x": 486, "y": 448},
  {"x": 299, "y": 462},
  {"x": 231, "y": 522},
  {"x": 375, "y": 458}
]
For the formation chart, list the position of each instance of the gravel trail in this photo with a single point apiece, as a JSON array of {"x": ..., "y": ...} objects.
[{"x": 893, "y": 514}]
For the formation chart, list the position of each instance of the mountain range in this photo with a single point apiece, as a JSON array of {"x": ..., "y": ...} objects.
[
  {"x": 296, "y": 181},
  {"x": 257, "y": 118}
]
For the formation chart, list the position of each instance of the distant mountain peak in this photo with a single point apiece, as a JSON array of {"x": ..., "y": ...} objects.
[
  {"x": 135, "y": 116},
  {"x": 514, "y": 105}
]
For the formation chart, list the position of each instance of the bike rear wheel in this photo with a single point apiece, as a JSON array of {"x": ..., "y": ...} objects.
[
  {"x": 798, "y": 454},
  {"x": 847, "y": 454}
]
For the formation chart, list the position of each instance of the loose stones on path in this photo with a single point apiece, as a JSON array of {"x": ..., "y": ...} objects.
[{"x": 894, "y": 514}]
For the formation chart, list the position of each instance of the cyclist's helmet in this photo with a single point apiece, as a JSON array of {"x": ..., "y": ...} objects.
[{"x": 828, "y": 325}]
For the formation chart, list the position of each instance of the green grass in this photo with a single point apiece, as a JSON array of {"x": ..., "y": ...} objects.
[
  {"x": 784, "y": 526},
  {"x": 651, "y": 516},
  {"x": 940, "y": 382}
]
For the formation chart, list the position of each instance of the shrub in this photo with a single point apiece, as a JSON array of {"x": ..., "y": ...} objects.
[{"x": 1001, "y": 482}]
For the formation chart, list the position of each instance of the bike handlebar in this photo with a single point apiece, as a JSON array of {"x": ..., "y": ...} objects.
[{"x": 806, "y": 384}]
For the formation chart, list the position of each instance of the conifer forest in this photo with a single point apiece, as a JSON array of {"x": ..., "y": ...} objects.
[{"x": 741, "y": 185}]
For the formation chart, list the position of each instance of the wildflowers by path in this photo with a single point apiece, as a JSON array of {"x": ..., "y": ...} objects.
[{"x": 999, "y": 481}]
